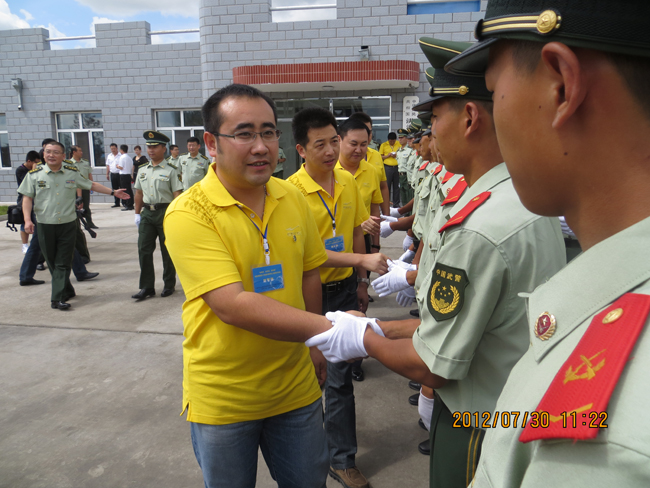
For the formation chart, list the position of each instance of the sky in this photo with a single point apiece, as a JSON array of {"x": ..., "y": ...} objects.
[{"x": 65, "y": 18}]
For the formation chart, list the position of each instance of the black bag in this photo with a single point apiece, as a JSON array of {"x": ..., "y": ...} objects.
[{"x": 14, "y": 217}]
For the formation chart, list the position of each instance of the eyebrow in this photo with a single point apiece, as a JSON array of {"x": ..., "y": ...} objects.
[{"x": 250, "y": 125}]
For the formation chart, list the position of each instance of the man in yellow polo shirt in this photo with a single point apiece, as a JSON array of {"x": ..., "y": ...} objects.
[
  {"x": 388, "y": 151},
  {"x": 247, "y": 251},
  {"x": 339, "y": 210}
]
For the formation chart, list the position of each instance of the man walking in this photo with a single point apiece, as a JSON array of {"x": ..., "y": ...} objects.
[
  {"x": 125, "y": 167},
  {"x": 193, "y": 165},
  {"x": 113, "y": 172}
]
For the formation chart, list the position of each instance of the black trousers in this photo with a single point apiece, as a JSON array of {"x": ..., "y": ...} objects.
[
  {"x": 57, "y": 243},
  {"x": 85, "y": 196},
  {"x": 392, "y": 179},
  {"x": 115, "y": 184},
  {"x": 125, "y": 182}
]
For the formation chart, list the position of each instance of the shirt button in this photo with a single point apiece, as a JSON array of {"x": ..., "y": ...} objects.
[{"x": 252, "y": 216}]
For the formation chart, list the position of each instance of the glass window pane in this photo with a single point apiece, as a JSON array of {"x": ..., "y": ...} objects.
[
  {"x": 288, "y": 108},
  {"x": 3, "y": 122},
  {"x": 380, "y": 132},
  {"x": 67, "y": 121},
  {"x": 81, "y": 140},
  {"x": 170, "y": 134},
  {"x": 376, "y": 107},
  {"x": 193, "y": 118},
  {"x": 180, "y": 139},
  {"x": 4, "y": 150},
  {"x": 65, "y": 138},
  {"x": 92, "y": 121},
  {"x": 98, "y": 148},
  {"x": 168, "y": 118}
]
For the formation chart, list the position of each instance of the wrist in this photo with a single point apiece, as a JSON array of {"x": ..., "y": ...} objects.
[{"x": 363, "y": 281}]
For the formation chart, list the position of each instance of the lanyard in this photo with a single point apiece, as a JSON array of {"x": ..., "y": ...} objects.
[
  {"x": 265, "y": 242},
  {"x": 329, "y": 212}
]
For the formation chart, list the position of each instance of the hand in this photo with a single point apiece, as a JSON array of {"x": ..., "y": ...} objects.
[
  {"x": 377, "y": 263},
  {"x": 406, "y": 244},
  {"x": 320, "y": 364},
  {"x": 121, "y": 193},
  {"x": 371, "y": 226},
  {"x": 344, "y": 340},
  {"x": 394, "y": 212},
  {"x": 407, "y": 257},
  {"x": 107, "y": 178},
  {"x": 372, "y": 322},
  {"x": 362, "y": 297},
  {"x": 389, "y": 218},
  {"x": 391, "y": 282},
  {"x": 29, "y": 227},
  {"x": 137, "y": 220},
  {"x": 386, "y": 229},
  {"x": 406, "y": 297}
]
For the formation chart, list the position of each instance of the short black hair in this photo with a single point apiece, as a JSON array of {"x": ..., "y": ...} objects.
[
  {"x": 172, "y": 146},
  {"x": 47, "y": 141},
  {"x": 113, "y": 144},
  {"x": 363, "y": 117},
  {"x": 55, "y": 143},
  {"x": 124, "y": 148},
  {"x": 32, "y": 156},
  {"x": 310, "y": 118},
  {"x": 194, "y": 139},
  {"x": 392, "y": 136},
  {"x": 137, "y": 147},
  {"x": 212, "y": 118},
  {"x": 352, "y": 124}
]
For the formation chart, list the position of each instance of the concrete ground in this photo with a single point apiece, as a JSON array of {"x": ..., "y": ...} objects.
[{"x": 91, "y": 397}]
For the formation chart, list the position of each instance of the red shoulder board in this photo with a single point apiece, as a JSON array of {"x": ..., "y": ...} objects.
[
  {"x": 437, "y": 170},
  {"x": 466, "y": 210},
  {"x": 424, "y": 165},
  {"x": 455, "y": 193},
  {"x": 575, "y": 405},
  {"x": 447, "y": 177}
]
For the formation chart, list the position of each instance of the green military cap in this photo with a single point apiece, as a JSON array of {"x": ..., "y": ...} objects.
[
  {"x": 606, "y": 25},
  {"x": 444, "y": 84},
  {"x": 417, "y": 140},
  {"x": 402, "y": 132},
  {"x": 154, "y": 138},
  {"x": 415, "y": 126}
]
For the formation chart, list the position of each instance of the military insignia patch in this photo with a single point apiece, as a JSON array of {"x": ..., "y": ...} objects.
[{"x": 446, "y": 295}]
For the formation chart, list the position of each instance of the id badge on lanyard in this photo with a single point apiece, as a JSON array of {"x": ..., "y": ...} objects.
[{"x": 335, "y": 243}]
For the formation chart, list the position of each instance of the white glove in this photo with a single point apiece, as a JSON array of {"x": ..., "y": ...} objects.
[
  {"x": 408, "y": 240},
  {"x": 137, "y": 220},
  {"x": 391, "y": 282},
  {"x": 387, "y": 218},
  {"x": 344, "y": 340},
  {"x": 375, "y": 327},
  {"x": 406, "y": 297},
  {"x": 394, "y": 212},
  {"x": 385, "y": 230},
  {"x": 407, "y": 257},
  {"x": 402, "y": 264}
]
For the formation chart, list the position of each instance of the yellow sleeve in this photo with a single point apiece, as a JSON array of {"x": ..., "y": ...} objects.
[
  {"x": 376, "y": 192},
  {"x": 203, "y": 262},
  {"x": 361, "y": 214},
  {"x": 382, "y": 149}
]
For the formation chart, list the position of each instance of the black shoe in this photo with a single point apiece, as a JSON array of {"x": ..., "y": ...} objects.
[
  {"x": 414, "y": 386},
  {"x": 40, "y": 267},
  {"x": 414, "y": 399},
  {"x": 125, "y": 209},
  {"x": 167, "y": 292},
  {"x": 144, "y": 293},
  {"x": 415, "y": 313},
  {"x": 370, "y": 299},
  {"x": 421, "y": 424},
  {"x": 85, "y": 259},
  {"x": 357, "y": 374},
  {"x": 116, "y": 206},
  {"x": 425, "y": 448},
  {"x": 88, "y": 276},
  {"x": 31, "y": 281},
  {"x": 93, "y": 226},
  {"x": 60, "y": 305}
]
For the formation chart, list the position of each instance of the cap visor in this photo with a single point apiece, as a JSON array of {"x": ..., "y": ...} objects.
[
  {"x": 427, "y": 104},
  {"x": 154, "y": 143},
  {"x": 426, "y": 133},
  {"x": 473, "y": 61}
]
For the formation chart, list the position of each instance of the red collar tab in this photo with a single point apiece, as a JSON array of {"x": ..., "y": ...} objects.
[
  {"x": 466, "y": 211},
  {"x": 447, "y": 177},
  {"x": 456, "y": 192},
  {"x": 424, "y": 166},
  {"x": 575, "y": 405},
  {"x": 437, "y": 170}
]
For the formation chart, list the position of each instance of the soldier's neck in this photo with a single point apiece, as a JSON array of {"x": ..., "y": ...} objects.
[
  {"x": 156, "y": 163},
  {"x": 194, "y": 155}
]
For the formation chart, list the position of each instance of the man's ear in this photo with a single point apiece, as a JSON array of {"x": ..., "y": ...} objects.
[
  {"x": 472, "y": 118},
  {"x": 210, "y": 144},
  {"x": 301, "y": 151},
  {"x": 567, "y": 80}
]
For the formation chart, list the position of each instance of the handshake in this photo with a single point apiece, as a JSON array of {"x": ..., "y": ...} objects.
[{"x": 344, "y": 341}]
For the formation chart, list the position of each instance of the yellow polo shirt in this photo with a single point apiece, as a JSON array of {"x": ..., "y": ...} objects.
[
  {"x": 229, "y": 374},
  {"x": 374, "y": 158},
  {"x": 367, "y": 180},
  {"x": 347, "y": 207},
  {"x": 386, "y": 148}
]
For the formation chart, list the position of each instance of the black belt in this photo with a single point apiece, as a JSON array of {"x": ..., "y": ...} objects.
[
  {"x": 402, "y": 172},
  {"x": 337, "y": 286},
  {"x": 155, "y": 206}
]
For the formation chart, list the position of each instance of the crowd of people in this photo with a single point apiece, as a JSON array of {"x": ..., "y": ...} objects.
[{"x": 528, "y": 369}]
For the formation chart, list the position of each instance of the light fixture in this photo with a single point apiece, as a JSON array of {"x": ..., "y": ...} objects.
[
  {"x": 17, "y": 84},
  {"x": 328, "y": 87},
  {"x": 364, "y": 53}
]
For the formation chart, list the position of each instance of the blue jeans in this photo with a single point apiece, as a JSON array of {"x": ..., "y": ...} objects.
[{"x": 293, "y": 445}]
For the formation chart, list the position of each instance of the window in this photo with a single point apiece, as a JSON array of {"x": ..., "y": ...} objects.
[
  {"x": 5, "y": 157},
  {"x": 180, "y": 125},
  {"x": 83, "y": 129},
  {"x": 299, "y": 10},
  {"x": 416, "y": 7}
]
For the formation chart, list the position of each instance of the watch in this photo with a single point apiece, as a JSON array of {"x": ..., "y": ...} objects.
[
  {"x": 363, "y": 280},
  {"x": 112, "y": 192}
]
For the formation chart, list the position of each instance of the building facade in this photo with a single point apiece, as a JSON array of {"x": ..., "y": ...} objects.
[{"x": 366, "y": 58}]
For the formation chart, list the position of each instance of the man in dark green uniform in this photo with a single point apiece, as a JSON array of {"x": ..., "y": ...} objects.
[
  {"x": 158, "y": 183},
  {"x": 51, "y": 190}
]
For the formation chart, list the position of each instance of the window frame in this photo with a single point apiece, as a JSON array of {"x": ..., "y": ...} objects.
[
  {"x": 91, "y": 153},
  {"x": 5, "y": 131},
  {"x": 192, "y": 128}
]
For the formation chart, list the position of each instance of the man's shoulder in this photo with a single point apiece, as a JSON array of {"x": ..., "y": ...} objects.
[{"x": 36, "y": 169}]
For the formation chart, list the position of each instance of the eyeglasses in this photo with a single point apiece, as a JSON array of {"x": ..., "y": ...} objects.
[
  {"x": 56, "y": 153},
  {"x": 248, "y": 137}
]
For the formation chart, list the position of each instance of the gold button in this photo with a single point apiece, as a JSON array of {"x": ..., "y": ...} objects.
[{"x": 613, "y": 316}]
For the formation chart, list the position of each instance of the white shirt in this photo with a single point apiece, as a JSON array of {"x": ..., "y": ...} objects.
[
  {"x": 127, "y": 164},
  {"x": 111, "y": 162}
]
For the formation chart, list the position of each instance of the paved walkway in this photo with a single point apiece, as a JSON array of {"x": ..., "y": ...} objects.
[{"x": 91, "y": 397}]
